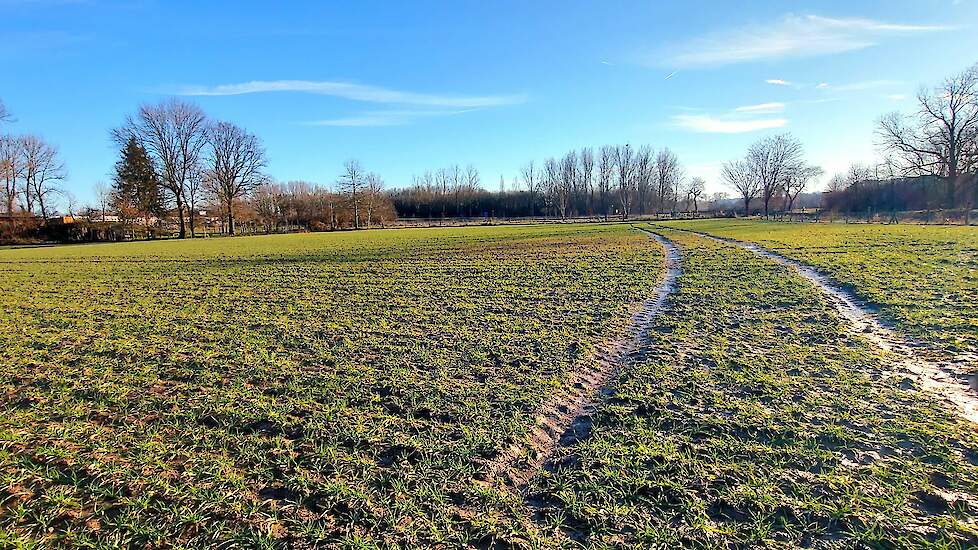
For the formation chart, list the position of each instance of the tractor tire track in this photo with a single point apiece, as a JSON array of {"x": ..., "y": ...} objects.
[
  {"x": 943, "y": 378},
  {"x": 566, "y": 416}
]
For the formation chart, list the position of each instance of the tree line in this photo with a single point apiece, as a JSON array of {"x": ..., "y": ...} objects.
[
  {"x": 175, "y": 165},
  {"x": 175, "y": 159},
  {"x": 358, "y": 200},
  {"x": 610, "y": 181}
]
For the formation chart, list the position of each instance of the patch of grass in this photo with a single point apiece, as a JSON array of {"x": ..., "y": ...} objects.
[
  {"x": 756, "y": 419},
  {"x": 352, "y": 389},
  {"x": 923, "y": 278},
  {"x": 293, "y": 390}
]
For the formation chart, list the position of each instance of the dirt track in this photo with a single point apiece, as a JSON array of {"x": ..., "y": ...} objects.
[
  {"x": 566, "y": 416},
  {"x": 945, "y": 379}
]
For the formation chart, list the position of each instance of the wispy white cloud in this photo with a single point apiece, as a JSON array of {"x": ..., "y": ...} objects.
[
  {"x": 896, "y": 97},
  {"x": 352, "y": 91},
  {"x": 868, "y": 25},
  {"x": 822, "y": 85},
  {"x": 384, "y": 118},
  {"x": 791, "y": 36},
  {"x": 746, "y": 118},
  {"x": 778, "y": 82},
  {"x": 717, "y": 125},
  {"x": 761, "y": 108}
]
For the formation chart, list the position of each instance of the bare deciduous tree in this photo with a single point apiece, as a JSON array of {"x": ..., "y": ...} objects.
[
  {"x": 551, "y": 183},
  {"x": 103, "y": 194},
  {"x": 264, "y": 201},
  {"x": 586, "y": 174},
  {"x": 668, "y": 175},
  {"x": 351, "y": 182},
  {"x": 606, "y": 170},
  {"x": 837, "y": 183},
  {"x": 442, "y": 181},
  {"x": 857, "y": 172},
  {"x": 472, "y": 179},
  {"x": 796, "y": 181},
  {"x": 741, "y": 178},
  {"x": 11, "y": 169},
  {"x": 42, "y": 171},
  {"x": 644, "y": 176},
  {"x": 772, "y": 159},
  {"x": 530, "y": 180},
  {"x": 625, "y": 163},
  {"x": 568, "y": 183},
  {"x": 373, "y": 189},
  {"x": 458, "y": 186},
  {"x": 941, "y": 138},
  {"x": 429, "y": 189},
  {"x": 174, "y": 133},
  {"x": 235, "y": 162},
  {"x": 696, "y": 188}
]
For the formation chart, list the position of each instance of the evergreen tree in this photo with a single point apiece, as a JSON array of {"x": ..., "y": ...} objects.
[{"x": 136, "y": 186}]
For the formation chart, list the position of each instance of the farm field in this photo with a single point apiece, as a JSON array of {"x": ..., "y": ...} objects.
[
  {"x": 291, "y": 390},
  {"x": 922, "y": 278},
  {"x": 361, "y": 389},
  {"x": 757, "y": 420}
]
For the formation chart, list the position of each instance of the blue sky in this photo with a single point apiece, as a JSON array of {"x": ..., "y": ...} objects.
[{"x": 410, "y": 86}]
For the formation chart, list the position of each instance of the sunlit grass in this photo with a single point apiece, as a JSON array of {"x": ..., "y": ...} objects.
[
  {"x": 300, "y": 388},
  {"x": 923, "y": 278},
  {"x": 757, "y": 420}
]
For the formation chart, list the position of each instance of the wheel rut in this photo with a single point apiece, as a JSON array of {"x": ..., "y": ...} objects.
[
  {"x": 946, "y": 379},
  {"x": 565, "y": 417}
]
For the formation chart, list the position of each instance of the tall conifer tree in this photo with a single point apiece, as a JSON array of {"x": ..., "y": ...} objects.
[{"x": 136, "y": 186}]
